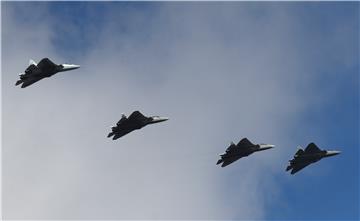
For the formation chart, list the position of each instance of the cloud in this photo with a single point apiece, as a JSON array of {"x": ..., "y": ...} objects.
[{"x": 219, "y": 71}]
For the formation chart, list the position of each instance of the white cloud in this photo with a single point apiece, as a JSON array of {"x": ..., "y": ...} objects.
[{"x": 219, "y": 73}]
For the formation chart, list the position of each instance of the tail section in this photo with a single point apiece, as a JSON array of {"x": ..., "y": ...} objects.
[
  {"x": 117, "y": 136},
  {"x": 299, "y": 151},
  {"x": 18, "y": 82},
  {"x": 32, "y": 62},
  {"x": 288, "y": 168}
]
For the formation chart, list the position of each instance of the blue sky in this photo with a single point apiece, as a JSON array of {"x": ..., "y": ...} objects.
[{"x": 280, "y": 73}]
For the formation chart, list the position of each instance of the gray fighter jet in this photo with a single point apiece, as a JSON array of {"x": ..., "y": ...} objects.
[
  {"x": 310, "y": 155},
  {"x": 134, "y": 122},
  {"x": 242, "y": 149},
  {"x": 45, "y": 68}
]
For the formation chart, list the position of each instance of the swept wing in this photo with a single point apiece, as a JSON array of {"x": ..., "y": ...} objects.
[
  {"x": 46, "y": 65},
  {"x": 312, "y": 148},
  {"x": 245, "y": 143},
  {"x": 298, "y": 166}
]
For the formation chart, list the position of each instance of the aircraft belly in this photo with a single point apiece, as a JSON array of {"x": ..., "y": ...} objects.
[
  {"x": 30, "y": 81},
  {"x": 229, "y": 160}
]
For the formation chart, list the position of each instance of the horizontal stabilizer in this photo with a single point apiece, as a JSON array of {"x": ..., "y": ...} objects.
[
  {"x": 288, "y": 168},
  {"x": 117, "y": 136},
  {"x": 219, "y": 161},
  {"x": 18, "y": 82}
]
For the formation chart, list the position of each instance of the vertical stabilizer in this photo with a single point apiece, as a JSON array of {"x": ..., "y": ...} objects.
[
  {"x": 299, "y": 152},
  {"x": 32, "y": 62}
]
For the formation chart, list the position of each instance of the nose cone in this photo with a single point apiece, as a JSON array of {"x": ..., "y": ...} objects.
[
  {"x": 67, "y": 67},
  {"x": 330, "y": 153},
  {"x": 157, "y": 119},
  {"x": 266, "y": 146}
]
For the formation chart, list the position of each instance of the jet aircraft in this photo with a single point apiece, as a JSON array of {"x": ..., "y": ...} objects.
[
  {"x": 242, "y": 149},
  {"x": 134, "y": 122},
  {"x": 310, "y": 155},
  {"x": 45, "y": 68}
]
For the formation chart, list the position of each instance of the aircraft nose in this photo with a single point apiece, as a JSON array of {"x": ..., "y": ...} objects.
[
  {"x": 161, "y": 119},
  {"x": 156, "y": 119},
  {"x": 74, "y": 66},
  {"x": 332, "y": 152},
  {"x": 70, "y": 66},
  {"x": 266, "y": 146}
]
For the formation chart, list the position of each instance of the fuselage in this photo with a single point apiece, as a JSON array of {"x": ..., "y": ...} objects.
[
  {"x": 45, "y": 68},
  {"x": 313, "y": 157},
  {"x": 246, "y": 151},
  {"x": 138, "y": 124},
  {"x": 134, "y": 122},
  {"x": 47, "y": 71}
]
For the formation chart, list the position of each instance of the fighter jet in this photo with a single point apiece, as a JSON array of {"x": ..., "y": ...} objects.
[
  {"x": 310, "y": 155},
  {"x": 45, "y": 68},
  {"x": 134, "y": 122},
  {"x": 242, "y": 149}
]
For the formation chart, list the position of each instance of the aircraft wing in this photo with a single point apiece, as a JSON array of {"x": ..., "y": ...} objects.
[
  {"x": 116, "y": 136},
  {"x": 30, "y": 81},
  {"x": 312, "y": 148},
  {"x": 121, "y": 133},
  {"x": 226, "y": 160},
  {"x": 244, "y": 143},
  {"x": 297, "y": 167},
  {"x": 136, "y": 115},
  {"x": 46, "y": 64},
  {"x": 32, "y": 70}
]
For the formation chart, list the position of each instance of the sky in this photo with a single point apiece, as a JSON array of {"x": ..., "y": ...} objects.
[{"x": 283, "y": 73}]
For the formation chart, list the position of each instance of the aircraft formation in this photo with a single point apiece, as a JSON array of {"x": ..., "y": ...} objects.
[{"x": 136, "y": 120}]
